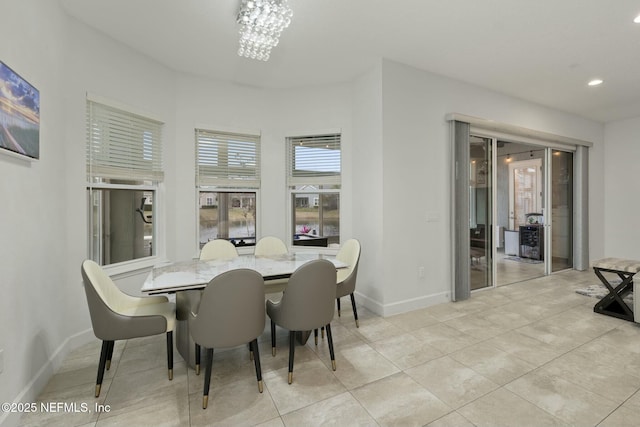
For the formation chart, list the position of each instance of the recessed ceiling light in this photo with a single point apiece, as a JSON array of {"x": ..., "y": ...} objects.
[
  {"x": 595, "y": 82},
  {"x": 637, "y": 19}
]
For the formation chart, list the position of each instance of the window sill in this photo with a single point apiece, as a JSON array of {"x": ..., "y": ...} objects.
[
  {"x": 314, "y": 249},
  {"x": 133, "y": 267}
]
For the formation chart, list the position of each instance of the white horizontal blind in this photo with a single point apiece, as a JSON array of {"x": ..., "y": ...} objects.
[
  {"x": 122, "y": 145},
  {"x": 314, "y": 160},
  {"x": 227, "y": 160}
]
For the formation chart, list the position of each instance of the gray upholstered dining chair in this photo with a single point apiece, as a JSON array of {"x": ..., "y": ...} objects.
[
  {"x": 118, "y": 316},
  {"x": 212, "y": 250},
  {"x": 231, "y": 313},
  {"x": 307, "y": 303},
  {"x": 269, "y": 245},
  {"x": 349, "y": 253},
  {"x": 218, "y": 249}
]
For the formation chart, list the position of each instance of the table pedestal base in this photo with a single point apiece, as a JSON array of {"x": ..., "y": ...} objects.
[{"x": 185, "y": 302}]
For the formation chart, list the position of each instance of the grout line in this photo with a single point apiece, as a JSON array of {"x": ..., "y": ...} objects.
[{"x": 352, "y": 332}]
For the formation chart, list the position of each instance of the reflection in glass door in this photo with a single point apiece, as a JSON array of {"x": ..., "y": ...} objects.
[
  {"x": 561, "y": 210},
  {"x": 480, "y": 212},
  {"x": 520, "y": 209},
  {"x": 525, "y": 190}
]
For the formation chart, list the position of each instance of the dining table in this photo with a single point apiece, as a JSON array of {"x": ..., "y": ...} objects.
[{"x": 187, "y": 279}]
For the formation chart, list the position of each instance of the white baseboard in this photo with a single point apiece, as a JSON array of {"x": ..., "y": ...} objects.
[
  {"x": 31, "y": 391},
  {"x": 369, "y": 304},
  {"x": 404, "y": 306}
]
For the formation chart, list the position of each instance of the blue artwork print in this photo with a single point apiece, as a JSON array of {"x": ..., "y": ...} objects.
[{"x": 19, "y": 114}]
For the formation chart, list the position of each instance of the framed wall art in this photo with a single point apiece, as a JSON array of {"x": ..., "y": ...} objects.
[{"x": 19, "y": 115}]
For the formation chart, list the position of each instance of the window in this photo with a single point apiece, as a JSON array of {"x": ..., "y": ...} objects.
[
  {"x": 124, "y": 167},
  {"x": 227, "y": 181},
  {"x": 314, "y": 180}
]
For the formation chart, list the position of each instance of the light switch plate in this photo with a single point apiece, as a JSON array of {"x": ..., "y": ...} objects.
[{"x": 433, "y": 217}]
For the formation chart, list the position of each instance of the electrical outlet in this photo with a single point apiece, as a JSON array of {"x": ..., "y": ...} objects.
[
  {"x": 421, "y": 272},
  {"x": 1, "y": 361}
]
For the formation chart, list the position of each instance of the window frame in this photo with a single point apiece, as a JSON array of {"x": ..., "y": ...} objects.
[
  {"x": 227, "y": 184},
  {"x": 225, "y": 190},
  {"x": 322, "y": 182},
  {"x": 151, "y": 180},
  {"x": 135, "y": 263}
]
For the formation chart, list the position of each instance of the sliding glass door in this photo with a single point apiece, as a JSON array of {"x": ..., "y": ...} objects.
[
  {"x": 506, "y": 232},
  {"x": 561, "y": 210},
  {"x": 520, "y": 211},
  {"x": 480, "y": 212}
]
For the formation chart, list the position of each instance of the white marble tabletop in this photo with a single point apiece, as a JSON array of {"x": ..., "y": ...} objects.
[{"x": 195, "y": 274}]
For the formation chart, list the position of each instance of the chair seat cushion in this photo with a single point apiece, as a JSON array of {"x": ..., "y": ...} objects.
[
  {"x": 342, "y": 274},
  {"x": 166, "y": 309}
]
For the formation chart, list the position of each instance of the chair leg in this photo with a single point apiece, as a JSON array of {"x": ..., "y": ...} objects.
[
  {"x": 315, "y": 335},
  {"x": 103, "y": 360},
  {"x": 338, "y": 302},
  {"x": 322, "y": 332},
  {"x": 170, "y": 353},
  {"x": 256, "y": 361},
  {"x": 355, "y": 312},
  {"x": 273, "y": 338},
  {"x": 198, "y": 350},
  {"x": 207, "y": 378},
  {"x": 110, "y": 354},
  {"x": 292, "y": 350},
  {"x": 330, "y": 341}
]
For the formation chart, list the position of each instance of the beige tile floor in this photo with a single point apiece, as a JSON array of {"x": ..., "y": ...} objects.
[
  {"x": 528, "y": 354},
  {"x": 507, "y": 271}
]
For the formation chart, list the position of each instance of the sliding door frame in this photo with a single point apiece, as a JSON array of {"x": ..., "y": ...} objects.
[
  {"x": 460, "y": 132},
  {"x": 461, "y": 128}
]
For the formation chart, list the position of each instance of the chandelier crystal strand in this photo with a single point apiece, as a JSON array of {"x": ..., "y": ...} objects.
[{"x": 261, "y": 24}]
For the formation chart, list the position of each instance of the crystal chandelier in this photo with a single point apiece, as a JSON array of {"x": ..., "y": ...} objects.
[{"x": 261, "y": 23}]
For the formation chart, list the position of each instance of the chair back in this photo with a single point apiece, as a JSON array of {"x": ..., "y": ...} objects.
[
  {"x": 349, "y": 253},
  {"x": 309, "y": 299},
  {"x": 269, "y": 246},
  {"x": 231, "y": 311},
  {"x": 107, "y": 305},
  {"x": 99, "y": 287},
  {"x": 218, "y": 249}
]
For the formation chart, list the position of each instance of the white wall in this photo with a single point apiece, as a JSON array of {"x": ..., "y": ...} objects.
[
  {"x": 396, "y": 174},
  {"x": 622, "y": 195},
  {"x": 43, "y": 214},
  {"x": 66, "y": 60},
  {"x": 101, "y": 67},
  {"x": 368, "y": 194},
  {"x": 33, "y": 280},
  {"x": 275, "y": 115},
  {"x": 417, "y": 173}
]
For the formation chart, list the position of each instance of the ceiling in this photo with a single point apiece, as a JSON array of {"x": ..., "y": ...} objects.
[{"x": 543, "y": 51}]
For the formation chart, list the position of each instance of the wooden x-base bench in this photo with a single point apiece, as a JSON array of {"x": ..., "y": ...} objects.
[{"x": 613, "y": 304}]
